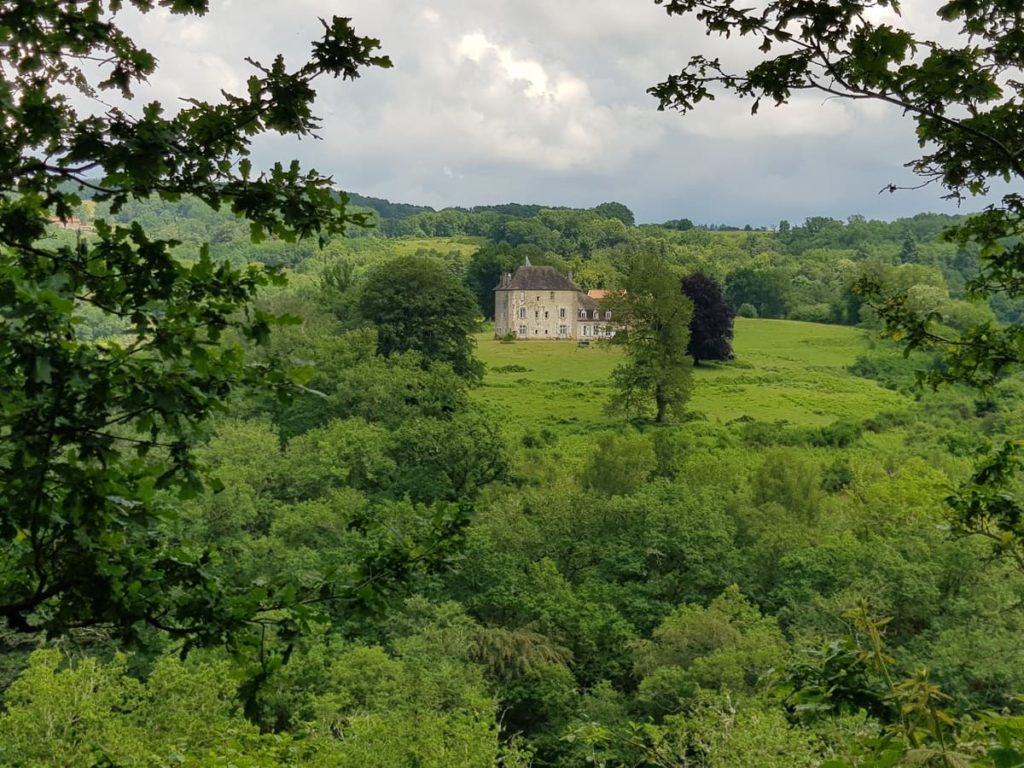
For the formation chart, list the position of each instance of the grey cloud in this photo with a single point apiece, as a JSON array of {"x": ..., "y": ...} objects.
[{"x": 550, "y": 107}]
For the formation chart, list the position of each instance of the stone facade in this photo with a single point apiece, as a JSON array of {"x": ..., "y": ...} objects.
[{"x": 541, "y": 303}]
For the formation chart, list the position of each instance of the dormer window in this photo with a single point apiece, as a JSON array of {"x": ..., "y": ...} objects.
[
  {"x": 607, "y": 314},
  {"x": 595, "y": 314},
  {"x": 583, "y": 314}
]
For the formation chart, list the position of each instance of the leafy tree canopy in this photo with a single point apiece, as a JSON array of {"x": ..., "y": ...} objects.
[
  {"x": 765, "y": 289},
  {"x": 615, "y": 211},
  {"x": 653, "y": 325},
  {"x": 484, "y": 273},
  {"x": 417, "y": 305},
  {"x": 92, "y": 434}
]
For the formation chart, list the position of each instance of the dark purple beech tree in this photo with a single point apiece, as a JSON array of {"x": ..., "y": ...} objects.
[{"x": 712, "y": 324}]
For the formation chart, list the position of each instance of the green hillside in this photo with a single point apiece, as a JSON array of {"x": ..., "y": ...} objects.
[
  {"x": 262, "y": 505},
  {"x": 784, "y": 371}
]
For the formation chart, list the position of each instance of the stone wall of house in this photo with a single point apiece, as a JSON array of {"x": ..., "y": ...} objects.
[
  {"x": 536, "y": 314},
  {"x": 593, "y": 324},
  {"x": 560, "y": 311},
  {"x": 501, "y": 314}
]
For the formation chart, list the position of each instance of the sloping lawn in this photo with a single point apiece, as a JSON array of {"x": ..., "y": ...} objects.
[{"x": 784, "y": 371}]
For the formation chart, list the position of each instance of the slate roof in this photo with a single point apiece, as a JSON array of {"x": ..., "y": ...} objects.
[{"x": 530, "y": 278}]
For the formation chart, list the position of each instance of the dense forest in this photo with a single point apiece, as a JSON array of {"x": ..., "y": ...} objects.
[
  {"x": 798, "y": 272},
  {"x": 272, "y": 493},
  {"x": 482, "y": 579}
]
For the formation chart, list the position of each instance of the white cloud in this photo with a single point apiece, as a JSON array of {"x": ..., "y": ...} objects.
[
  {"x": 731, "y": 120},
  {"x": 540, "y": 101}
]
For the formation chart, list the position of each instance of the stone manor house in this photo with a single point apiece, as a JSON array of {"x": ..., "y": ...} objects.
[{"x": 542, "y": 303}]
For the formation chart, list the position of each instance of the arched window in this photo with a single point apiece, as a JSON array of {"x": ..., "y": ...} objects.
[
  {"x": 607, "y": 314},
  {"x": 583, "y": 314},
  {"x": 595, "y": 314}
]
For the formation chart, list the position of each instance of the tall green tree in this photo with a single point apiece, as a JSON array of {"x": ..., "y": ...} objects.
[
  {"x": 92, "y": 433},
  {"x": 416, "y": 304},
  {"x": 765, "y": 289},
  {"x": 652, "y": 318},
  {"x": 616, "y": 211},
  {"x": 486, "y": 267}
]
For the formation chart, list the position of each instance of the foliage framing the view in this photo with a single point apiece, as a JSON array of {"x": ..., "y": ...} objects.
[
  {"x": 92, "y": 433},
  {"x": 967, "y": 102}
]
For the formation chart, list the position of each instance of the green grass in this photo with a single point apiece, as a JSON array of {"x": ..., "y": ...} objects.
[
  {"x": 371, "y": 250},
  {"x": 464, "y": 246},
  {"x": 784, "y": 371}
]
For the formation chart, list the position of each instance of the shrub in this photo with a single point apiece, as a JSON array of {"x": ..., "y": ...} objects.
[
  {"x": 620, "y": 465},
  {"x": 837, "y": 476}
]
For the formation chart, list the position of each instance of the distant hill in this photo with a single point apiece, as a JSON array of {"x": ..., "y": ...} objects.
[
  {"x": 386, "y": 209},
  {"x": 397, "y": 211}
]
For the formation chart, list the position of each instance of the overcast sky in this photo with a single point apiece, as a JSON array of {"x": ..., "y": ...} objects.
[{"x": 540, "y": 101}]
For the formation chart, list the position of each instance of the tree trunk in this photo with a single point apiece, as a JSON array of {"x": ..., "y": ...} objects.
[{"x": 659, "y": 398}]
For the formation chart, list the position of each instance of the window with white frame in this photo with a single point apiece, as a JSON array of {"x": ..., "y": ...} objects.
[
  {"x": 583, "y": 314},
  {"x": 586, "y": 330},
  {"x": 561, "y": 313},
  {"x": 607, "y": 314},
  {"x": 522, "y": 330},
  {"x": 522, "y": 313},
  {"x": 563, "y": 330}
]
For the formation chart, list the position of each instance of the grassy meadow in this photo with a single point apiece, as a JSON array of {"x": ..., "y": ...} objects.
[{"x": 784, "y": 371}]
